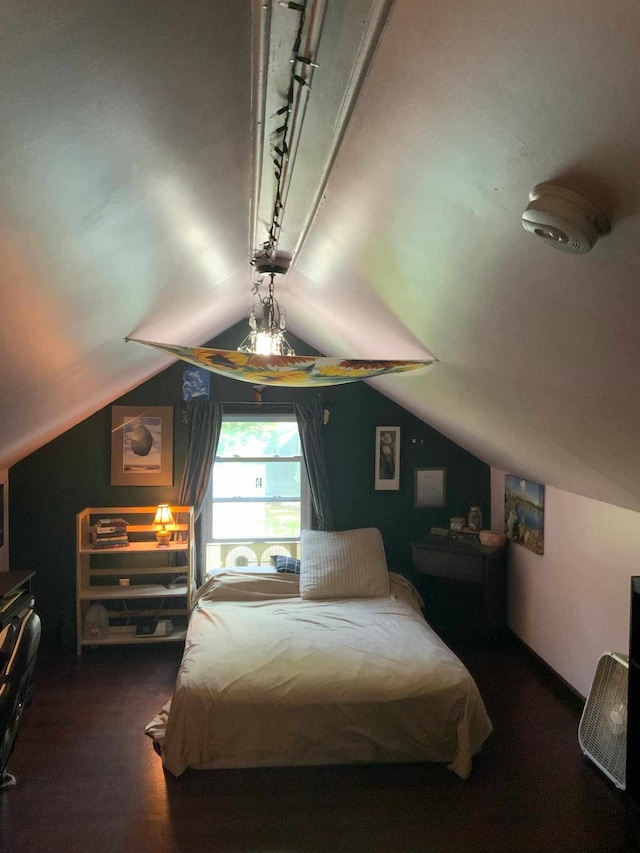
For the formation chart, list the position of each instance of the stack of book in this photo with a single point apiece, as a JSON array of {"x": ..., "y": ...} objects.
[{"x": 109, "y": 533}]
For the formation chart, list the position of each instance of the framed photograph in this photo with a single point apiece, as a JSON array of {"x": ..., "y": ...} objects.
[
  {"x": 429, "y": 487},
  {"x": 142, "y": 445},
  {"x": 387, "y": 462},
  {"x": 524, "y": 512}
]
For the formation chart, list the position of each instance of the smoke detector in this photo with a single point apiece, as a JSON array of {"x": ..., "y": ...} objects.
[{"x": 564, "y": 219}]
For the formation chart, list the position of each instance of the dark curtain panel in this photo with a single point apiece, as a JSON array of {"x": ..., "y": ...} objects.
[
  {"x": 204, "y": 419},
  {"x": 309, "y": 417}
]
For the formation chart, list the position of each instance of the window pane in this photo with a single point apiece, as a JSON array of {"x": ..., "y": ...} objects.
[
  {"x": 269, "y": 520},
  {"x": 256, "y": 480},
  {"x": 258, "y": 438}
]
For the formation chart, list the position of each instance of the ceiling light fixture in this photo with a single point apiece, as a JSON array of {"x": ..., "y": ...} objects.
[
  {"x": 265, "y": 357},
  {"x": 267, "y": 320}
]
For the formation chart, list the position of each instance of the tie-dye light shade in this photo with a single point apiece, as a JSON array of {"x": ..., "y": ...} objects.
[{"x": 298, "y": 371}]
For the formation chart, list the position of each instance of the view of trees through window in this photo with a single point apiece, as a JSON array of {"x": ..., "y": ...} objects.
[{"x": 257, "y": 483}]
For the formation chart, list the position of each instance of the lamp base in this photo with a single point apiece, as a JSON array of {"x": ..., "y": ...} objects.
[{"x": 163, "y": 537}]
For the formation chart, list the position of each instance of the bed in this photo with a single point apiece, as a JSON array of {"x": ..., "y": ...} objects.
[{"x": 336, "y": 665}]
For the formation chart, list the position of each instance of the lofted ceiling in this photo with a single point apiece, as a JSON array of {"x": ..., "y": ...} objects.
[{"x": 136, "y": 185}]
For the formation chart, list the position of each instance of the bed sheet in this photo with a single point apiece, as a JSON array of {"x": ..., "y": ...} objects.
[{"x": 269, "y": 679}]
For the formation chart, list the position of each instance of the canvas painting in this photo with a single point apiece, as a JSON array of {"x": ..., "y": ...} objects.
[{"x": 524, "y": 512}]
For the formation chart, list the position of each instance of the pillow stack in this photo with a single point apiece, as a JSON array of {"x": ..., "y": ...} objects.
[{"x": 343, "y": 564}]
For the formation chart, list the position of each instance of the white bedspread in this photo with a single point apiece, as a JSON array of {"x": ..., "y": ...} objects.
[{"x": 270, "y": 679}]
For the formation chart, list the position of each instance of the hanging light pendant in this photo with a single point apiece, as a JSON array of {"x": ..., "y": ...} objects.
[
  {"x": 267, "y": 321},
  {"x": 265, "y": 357}
]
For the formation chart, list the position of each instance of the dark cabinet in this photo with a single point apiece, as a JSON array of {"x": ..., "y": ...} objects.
[
  {"x": 633, "y": 705},
  {"x": 16, "y": 596},
  {"x": 463, "y": 585}
]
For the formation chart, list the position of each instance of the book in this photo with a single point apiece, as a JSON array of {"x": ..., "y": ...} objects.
[
  {"x": 114, "y": 528},
  {"x": 103, "y": 545},
  {"x": 95, "y": 535},
  {"x": 109, "y": 540},
  {"x": 120, "y": 522}
]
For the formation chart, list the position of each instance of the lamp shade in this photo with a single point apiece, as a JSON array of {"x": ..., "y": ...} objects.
[
  {"x": 163, "y": 515},
  {"x": 298, "y": 371}
]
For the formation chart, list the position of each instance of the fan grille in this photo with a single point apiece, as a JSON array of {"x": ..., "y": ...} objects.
[{"x": 602, "y": 732}]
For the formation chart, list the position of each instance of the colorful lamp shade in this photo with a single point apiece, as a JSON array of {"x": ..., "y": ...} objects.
[{"x": 297, "y": 371}]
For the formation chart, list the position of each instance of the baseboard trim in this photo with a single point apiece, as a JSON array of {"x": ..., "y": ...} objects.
[{"x": 553, "y": 678}]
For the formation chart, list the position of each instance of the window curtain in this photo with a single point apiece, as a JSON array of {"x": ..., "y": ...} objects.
[
  {"x": 310, "y": 420},
  {"x": 204, "y": 420}
]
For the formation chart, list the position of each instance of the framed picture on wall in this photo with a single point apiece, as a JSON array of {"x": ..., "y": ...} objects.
[
  {"x": 141, "y": 445},
  {"x": 429, "y": 487},
  {"x": 524, "y": 512},
  {"x": 196, "y": 382},
  {"x": 4, "y": 518},
  {"x": 387, "y": 461}
]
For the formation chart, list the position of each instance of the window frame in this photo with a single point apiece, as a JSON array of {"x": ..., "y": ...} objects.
[{"x": 305, "y": 491}]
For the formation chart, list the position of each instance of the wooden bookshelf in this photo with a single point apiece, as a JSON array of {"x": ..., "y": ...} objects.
[{"x": 133, "y": 582}]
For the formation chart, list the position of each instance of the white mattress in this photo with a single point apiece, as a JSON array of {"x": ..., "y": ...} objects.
[{"x": 269, "y": 679}]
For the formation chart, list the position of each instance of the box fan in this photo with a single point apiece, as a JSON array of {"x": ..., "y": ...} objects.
[{"x": 602, "y": 732}]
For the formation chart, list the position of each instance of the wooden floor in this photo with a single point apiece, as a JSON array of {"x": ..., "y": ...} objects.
[{"x": 89, "y": 780}]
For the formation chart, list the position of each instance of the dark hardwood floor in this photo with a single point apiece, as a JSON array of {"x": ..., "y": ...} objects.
[{"x": 89, "y": 780}]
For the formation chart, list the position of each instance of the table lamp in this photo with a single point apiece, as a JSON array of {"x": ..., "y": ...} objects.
[{"x": 163, "y": 517}]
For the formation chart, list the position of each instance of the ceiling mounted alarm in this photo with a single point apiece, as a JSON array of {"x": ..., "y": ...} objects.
[{"x": 564, "y": 219}]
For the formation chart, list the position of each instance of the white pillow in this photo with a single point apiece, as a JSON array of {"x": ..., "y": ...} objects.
[{"x": 344, "y": 564}]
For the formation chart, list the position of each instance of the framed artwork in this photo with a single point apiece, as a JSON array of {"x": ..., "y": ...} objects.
[
  {"x": 387, "y": 461},
  {"x": 195, "y": 382},
  {"x": 142, "y": 445},
  {"x": 4, "y": 517},
  {"x": 524, "y": 512},
  {"x": 429, "y": 487}
]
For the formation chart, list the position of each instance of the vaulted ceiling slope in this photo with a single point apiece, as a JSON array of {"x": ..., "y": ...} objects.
[{"x": 133, "y": 192}]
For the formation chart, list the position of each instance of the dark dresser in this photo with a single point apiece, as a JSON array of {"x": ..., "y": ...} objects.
[
  {"x": 16, "y": 596},
  {"x": 463, "y": 585},
  {"x": 633, "y": 709}
]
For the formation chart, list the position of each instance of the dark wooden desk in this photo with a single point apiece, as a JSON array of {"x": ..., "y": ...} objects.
[
  {"x": 16, "y": 595},
  {"x": 463, "y": 585}
]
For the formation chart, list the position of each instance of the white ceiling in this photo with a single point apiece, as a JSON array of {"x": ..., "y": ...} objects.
[{"x": 130, "y": 148}]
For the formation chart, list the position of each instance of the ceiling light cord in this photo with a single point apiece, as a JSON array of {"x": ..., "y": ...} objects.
[
  {"x": 280, "y": 137},
  {"x": 267, "y": 320}
]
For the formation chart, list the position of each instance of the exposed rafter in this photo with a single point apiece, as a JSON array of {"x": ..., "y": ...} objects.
[{"x": 326, "y": 48}]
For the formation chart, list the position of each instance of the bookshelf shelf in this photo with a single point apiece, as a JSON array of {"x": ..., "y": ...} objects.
[
  {"x": 147, "y": 570},
  {"x": 119, "y": 639}
]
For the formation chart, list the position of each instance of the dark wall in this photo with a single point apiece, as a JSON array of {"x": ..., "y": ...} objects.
[{"x": 51, "y": 485}]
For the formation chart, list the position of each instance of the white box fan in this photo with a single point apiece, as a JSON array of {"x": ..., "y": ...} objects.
[{"x": 602, "y": 732}]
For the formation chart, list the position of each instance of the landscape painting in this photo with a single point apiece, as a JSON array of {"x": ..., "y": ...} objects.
[{"x": 524, "y": 512}]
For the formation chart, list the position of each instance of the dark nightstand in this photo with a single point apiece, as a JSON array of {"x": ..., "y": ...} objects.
[{"x": 463, "y": 585}]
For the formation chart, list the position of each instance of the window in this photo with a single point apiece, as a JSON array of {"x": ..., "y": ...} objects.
[{"x": 258, "y": 497}]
